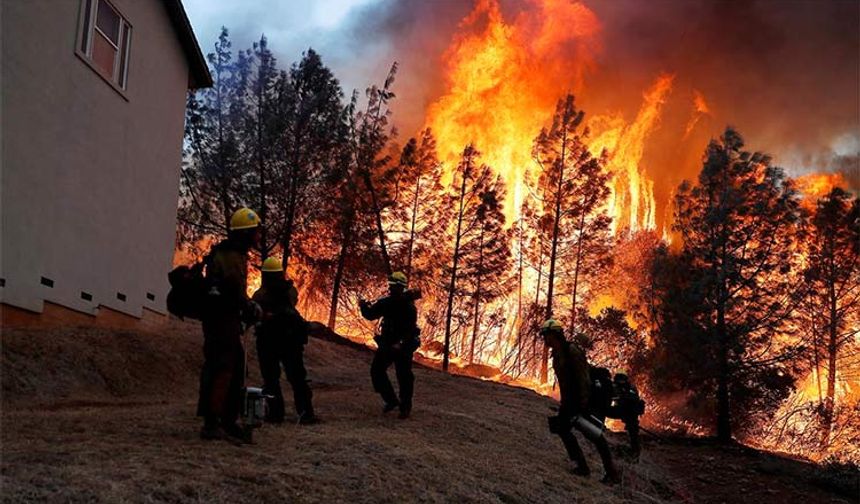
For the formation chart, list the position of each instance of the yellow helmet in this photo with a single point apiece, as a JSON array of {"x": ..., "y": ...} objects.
[
  {"x": 272, "y": 265},
  {"x": 551, "y": 325},
  {"x": 244, "y": 218},
  {"x": 397, "y": 278}
]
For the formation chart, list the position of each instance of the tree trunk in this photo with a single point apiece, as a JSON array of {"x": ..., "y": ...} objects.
[
  {"x": 477, "y": 306},
  {"x": 453, "y": 283},
  {"x": 724, "y": 422},
  {"x": 377, "y": 212},
  {"x": 261, "y": 167},
  {"x": 338, "y": 277},
  {"x": 544, "y": 363},
  {"x": 832, "y": 347},
  {"x": 292, "y": 196},
  {"x": 412, "y": 227},
  {"x": 576, "y": 273}
]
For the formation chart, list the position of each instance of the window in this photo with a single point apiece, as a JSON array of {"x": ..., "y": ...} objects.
[{"x": 104, "y": 40}]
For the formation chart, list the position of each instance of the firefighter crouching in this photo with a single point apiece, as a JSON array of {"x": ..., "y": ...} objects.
[
  {"x": 281, "y": 337},
  {"x": 571, "y": 370},
  {"x": 627, "y": 406},
  {"x": 397, "y": 341},
  {"x": 226, "y": 311}
]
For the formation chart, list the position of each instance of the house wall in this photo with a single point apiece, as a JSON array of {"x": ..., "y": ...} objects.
[{"x": 90, "y": 177}]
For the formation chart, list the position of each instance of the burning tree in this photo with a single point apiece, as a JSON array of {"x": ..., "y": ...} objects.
[
  {"x": 311, "y": 110},
  {"x": 574, "y": 188},
  {"x": 832, "y": 277},
  {"x": 419, "y": 215},
  {"x": 481, "y": 250},
  {"x": 363, "y": 164},
  {"x": 736, "y": 298}
]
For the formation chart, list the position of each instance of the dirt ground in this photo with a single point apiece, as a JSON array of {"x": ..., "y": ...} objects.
[{"x": 95, "y": 416}]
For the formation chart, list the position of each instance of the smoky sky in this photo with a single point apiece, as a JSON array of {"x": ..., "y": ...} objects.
[{"x": 785, "y": 73}]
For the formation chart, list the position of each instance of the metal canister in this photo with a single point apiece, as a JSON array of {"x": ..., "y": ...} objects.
[
  {"x": 589, "y": 426},
  {"x": 254, "y": 408}
]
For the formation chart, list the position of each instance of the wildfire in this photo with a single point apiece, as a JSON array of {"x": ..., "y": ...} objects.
[
  {"x": 503, "y": 80},
  {"x": 632, "y": 201}
]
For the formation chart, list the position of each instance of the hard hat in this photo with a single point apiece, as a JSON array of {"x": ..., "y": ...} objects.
[
  {"x": 244, "y": 218},
  {"x": 550, "y": 326},
  {"x": 397, "y": 278},
  {"x": 272, "y": 265}
]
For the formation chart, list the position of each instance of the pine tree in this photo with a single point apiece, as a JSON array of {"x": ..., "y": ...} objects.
[
  {"x": 485, "y": 255},
  {"x": 740, "y": 226},
  {"x": 311, "y": 111},
  {"x": 832, "y": 277},
  {"x": 575, "y": 188},
  {"x": 469, "y": 193},
  {"x": 213, "y": 172},
  {"x": 263, "y": 130}
]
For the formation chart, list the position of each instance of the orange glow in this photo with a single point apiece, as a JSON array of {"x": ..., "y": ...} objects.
[{"x": 817, "y": 185}]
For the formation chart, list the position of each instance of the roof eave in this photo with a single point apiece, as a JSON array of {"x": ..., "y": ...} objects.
[{"x": 198, "y": 75}]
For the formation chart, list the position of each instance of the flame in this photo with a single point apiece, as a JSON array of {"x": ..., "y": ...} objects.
[
  {"x": 700, "y": 109},
  {"x": 503, "y": 80},
  {"x": 631, "y": 203},
  {"x": 503, "y": 83},
  {"x": 817, "y": 185}
]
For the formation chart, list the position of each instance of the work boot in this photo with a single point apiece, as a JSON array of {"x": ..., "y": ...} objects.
[
  {"x": 581, "y": 470},
  {"x": 404, "y": 413},
  {"x": 308, "y": 419},
  {"x": 612, "y": 478},
  {"x": 237, "y": 435},
  {"x": 211, "y": 433},
  {"x": 390, "y": 406}
]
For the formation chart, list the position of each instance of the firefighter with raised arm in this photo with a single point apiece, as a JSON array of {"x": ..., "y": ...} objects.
[
  {"x": 226, "y": 312},
  {"x": 571, "y": 370},
  {"x": 281, "y": 338},
  {"x": 397, "y": 341}
]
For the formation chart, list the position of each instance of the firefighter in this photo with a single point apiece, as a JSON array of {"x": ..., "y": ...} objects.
[
  {"x": 227, "y": 310},
  {"x": 571, "y": 370},
  {"x": 627, "y": 406},
  {"x": 396, "y": 342},
  {"x": 281, "y": 338}
]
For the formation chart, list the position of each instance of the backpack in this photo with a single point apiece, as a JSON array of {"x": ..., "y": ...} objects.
[
  {"x": 628, "y": 401},
  {"x": 600, "y": 389},
  {"x": 187, "y": 295}
]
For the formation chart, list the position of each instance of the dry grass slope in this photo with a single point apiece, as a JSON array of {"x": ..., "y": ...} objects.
[{"x": 95, "y": 416}]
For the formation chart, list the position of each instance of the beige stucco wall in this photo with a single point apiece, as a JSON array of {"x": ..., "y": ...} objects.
[{"x": 89, "y": 178}]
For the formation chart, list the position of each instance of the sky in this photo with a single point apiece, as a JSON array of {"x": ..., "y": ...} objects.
[
  {"x": 786, "y": 72},
  {"x": 291, "y": 27}
]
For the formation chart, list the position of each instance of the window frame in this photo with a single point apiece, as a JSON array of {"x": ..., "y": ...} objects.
[{"x": 87, "y": 25}]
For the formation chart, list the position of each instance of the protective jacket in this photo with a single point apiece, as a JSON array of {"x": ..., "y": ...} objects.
[
  {"x": 223, "y": 367},
  {"x": 227, "y": 274},
  {"x": 571, "y": 369},
  {"x": 399, "y": 319},
  {"x": 281, "y": 320}
]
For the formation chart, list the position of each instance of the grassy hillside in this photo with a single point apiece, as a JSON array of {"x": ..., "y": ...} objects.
[{"x": 98, "y": 416}]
